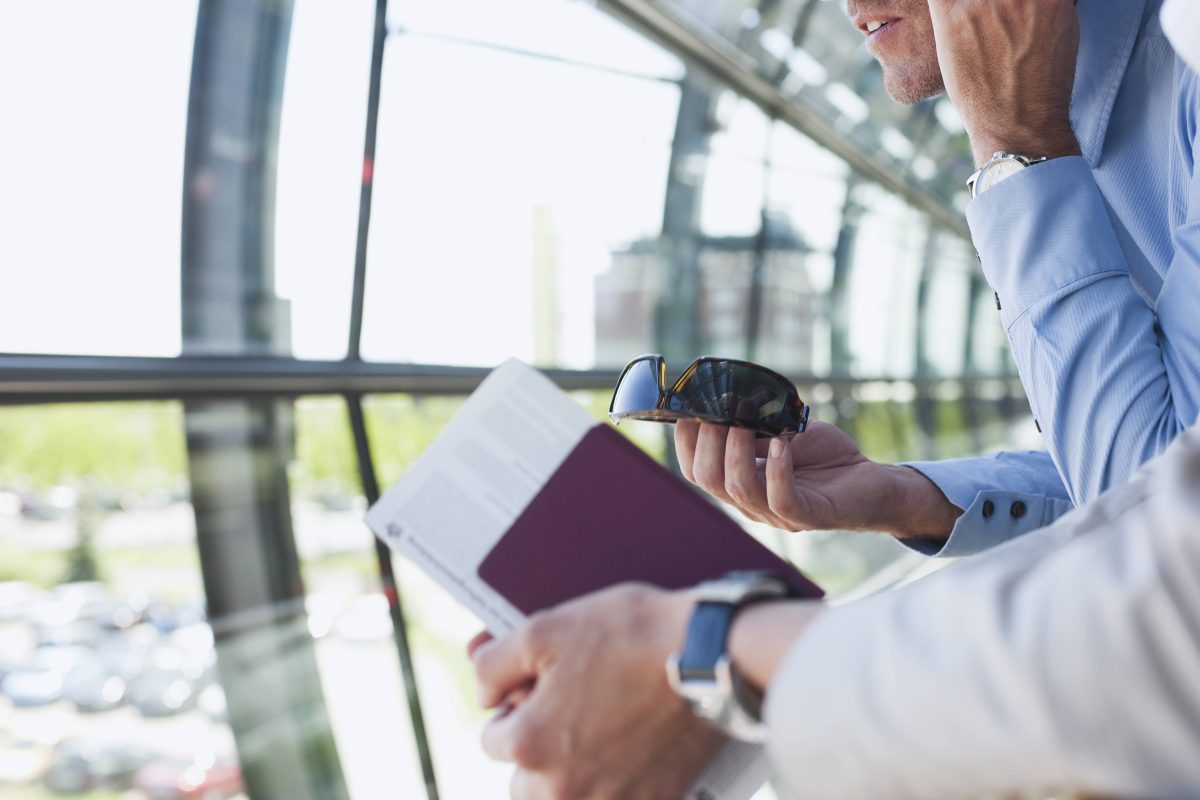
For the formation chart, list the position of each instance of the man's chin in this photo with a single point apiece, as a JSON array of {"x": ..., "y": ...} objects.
[{"x": 912, "y": 89}]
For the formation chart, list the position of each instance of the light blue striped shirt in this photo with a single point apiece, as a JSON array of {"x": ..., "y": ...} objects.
[{"x": 1095, "y": 261}]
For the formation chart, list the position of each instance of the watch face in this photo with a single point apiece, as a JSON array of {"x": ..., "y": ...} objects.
[{"x": 998, "y": 171}]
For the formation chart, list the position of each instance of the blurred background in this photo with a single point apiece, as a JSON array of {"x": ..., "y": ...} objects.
[{"x": 254, "y": 255}]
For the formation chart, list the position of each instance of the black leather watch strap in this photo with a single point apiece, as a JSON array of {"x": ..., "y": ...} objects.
[
  {"x": 702, "y": 673},
  {"x": 707, "y": 638}
]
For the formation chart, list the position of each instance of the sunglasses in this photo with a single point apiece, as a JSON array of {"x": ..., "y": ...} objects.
[{"x": 722, "y": 390}]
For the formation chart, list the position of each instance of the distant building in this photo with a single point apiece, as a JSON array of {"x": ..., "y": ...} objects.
[{"x": 628, "y": 294}]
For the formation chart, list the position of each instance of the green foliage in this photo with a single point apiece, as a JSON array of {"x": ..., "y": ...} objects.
[
  {"x": 133, "y": 446},
  {"x": 22, "y": 563},
  {"x": 325, "y": 458},
  {"x": 886, "y": 431},
  {"x": 401, "y": 427}
]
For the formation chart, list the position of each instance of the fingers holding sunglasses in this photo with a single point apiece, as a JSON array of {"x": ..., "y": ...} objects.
[
  {"x": 686, "y": 432},
  {"x": 708, "y": 467},
  {"x": 745, "y": 482},
  {"x": 784, "y": 499},
  {"x": 733, "y": 465}
]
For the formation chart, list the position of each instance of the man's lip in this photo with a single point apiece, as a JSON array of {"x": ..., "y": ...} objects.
[{"x": 862, "y": 18}]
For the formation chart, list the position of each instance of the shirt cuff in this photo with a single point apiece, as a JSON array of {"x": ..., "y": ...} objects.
[
  {"x": 990, "y": 516},
  {"x": 1042, "y": 230}
]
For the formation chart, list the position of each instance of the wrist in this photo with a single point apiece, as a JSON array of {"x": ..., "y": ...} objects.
[
  {"x": 916, "y": 508},
  {"x": 1057, "y": 142},
  {"x": 763, "y": 634},
  {"x": 721, "y": 687}
]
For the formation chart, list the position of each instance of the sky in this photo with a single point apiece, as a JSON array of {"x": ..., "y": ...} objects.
[{"x": 473, "y": 145}]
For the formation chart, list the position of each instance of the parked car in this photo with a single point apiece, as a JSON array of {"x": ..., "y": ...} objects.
[
  {"x": 81, "y": 765},
  {"x": 169, "y": 618},
  {"x": 22, "y": 761},
  {"x": 17, "y": 600},
  {"x": 50, "y": 505},
  {"x": 92, "y": 686},
  {"x": 127, "y": 652},
  {"x": 6, "y": 666},
  {"x": 68, "y": 614},
  {"x": 122, "y": 613},
  {"x": 101, "y": 683},
  {"x": 208, "y": 777},
  {"x": 82, "y": 632},
  {"x": 41, "y": 681},
  {"x": 171, "y": 681},
  {"x": 211, "y": 701}
]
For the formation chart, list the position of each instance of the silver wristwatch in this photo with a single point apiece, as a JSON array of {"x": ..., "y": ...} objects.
[
  {"x": 1000, "y": 166},
  {"x": 702, "y": 672}
]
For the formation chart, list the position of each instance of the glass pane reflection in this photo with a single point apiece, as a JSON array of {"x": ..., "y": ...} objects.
[{"x": 494, "y": 214}]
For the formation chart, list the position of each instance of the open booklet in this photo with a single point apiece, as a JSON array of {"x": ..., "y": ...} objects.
[{"x": 524, "y": 501}]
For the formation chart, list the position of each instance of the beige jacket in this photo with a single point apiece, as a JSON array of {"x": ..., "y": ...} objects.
[{"x": 1067, "y": 659}]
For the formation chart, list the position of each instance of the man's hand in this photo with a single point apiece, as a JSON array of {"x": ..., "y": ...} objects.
[
  {"x": 585, "y": 707},
  {"x": 1009, "y": 68},
  {"x": 817, "y": 481}
]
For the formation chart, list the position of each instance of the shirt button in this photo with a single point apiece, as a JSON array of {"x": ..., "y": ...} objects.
[
  {"x": 989, "y": 508},
  {"x": 1017, "y": 510}
]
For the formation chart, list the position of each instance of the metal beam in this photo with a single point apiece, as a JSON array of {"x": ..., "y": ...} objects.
[
  {"x": 367, "y": 185},
  {"x": 391, "y": 591},
  {"x": 238, "y": 449},
  {"x": 53, "y": 378},
  {"x": 725, "y": 62},
  {"x": 29, "y": 379}
]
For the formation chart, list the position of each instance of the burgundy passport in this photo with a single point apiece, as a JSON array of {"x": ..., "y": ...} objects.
[{"x": 611, "y": 514}]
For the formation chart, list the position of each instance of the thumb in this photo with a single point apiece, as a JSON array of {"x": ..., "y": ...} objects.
[
  {"x": 506, "y": 664},
  {"x": 478, "y": 641}
]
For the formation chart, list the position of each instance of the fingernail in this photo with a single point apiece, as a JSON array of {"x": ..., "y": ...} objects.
[{"x": 776, "y": 449}]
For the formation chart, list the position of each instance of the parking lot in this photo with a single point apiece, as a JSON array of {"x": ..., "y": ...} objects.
[{"x": 146, "y": 623}]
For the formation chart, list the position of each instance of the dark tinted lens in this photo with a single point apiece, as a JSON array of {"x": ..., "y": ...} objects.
[
  {"x": 638, "y": 389},
  {"x": 738, "y": 394}
]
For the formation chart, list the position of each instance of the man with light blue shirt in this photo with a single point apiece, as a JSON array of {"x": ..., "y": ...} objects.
[{"x": 1084, "y": 215}]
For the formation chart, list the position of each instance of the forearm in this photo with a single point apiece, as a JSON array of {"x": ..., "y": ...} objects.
[
  {"x": 762, "y": 635},
  {"x": 918, "y": 509}
]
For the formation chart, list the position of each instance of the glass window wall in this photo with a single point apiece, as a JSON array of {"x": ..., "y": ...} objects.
[
  {"x": 506, "y": 176},
  {"x": 550, "y": 182}
]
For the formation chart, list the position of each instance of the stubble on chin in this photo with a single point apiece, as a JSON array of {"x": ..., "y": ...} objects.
[{"x": 910, "y": 85}]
